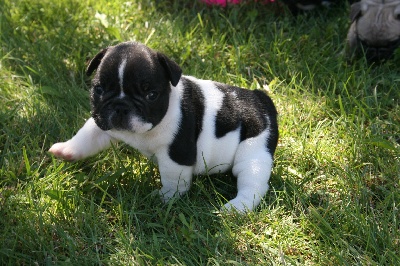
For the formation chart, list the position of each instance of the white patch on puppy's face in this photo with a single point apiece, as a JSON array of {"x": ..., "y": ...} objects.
[
  {"x": 138, "y": 126},
  {"x": 121, "y": 71}
]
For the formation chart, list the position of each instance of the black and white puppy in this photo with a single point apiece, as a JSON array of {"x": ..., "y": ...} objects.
[{"x": 187, "y": 125}]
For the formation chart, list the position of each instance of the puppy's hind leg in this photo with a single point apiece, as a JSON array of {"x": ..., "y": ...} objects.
[{"x": 252, "y": 167}]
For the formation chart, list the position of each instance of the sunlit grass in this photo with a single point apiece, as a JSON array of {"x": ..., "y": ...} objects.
[{"x": 334, "y": 193}]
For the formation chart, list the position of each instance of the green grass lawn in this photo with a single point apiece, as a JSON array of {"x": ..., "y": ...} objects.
[{"x": 334, "y": 194}]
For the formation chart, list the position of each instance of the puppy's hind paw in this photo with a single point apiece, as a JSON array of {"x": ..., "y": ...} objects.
[
  {"x": 237, "y": 206},
  {"x": 64, "y": 151}
]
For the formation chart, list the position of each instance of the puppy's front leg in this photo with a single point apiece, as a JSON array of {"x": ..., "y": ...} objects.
[
  {"x": 175, "y": 179},
  {"x": 89, "y": 140}
]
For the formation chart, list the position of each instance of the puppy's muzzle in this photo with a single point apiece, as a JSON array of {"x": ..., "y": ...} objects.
[
  {"x": 121, "y": 110},
  {"x": 120, "y": 115}
]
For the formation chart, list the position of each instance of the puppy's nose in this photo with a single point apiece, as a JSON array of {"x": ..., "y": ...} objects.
[{"x": 121, "y": 109}]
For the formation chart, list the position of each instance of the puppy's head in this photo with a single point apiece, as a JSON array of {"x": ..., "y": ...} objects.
[
  {"x": 375, "y": 28},
  {"x": 131, "y": 87}
]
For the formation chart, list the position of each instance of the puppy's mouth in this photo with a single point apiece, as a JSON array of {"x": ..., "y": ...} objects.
[
  {"x": 121, "y": 119},
  {"x": 112, "y": 114}
]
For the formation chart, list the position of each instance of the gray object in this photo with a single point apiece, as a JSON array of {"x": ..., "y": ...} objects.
[{"x": 374, "y": 30}]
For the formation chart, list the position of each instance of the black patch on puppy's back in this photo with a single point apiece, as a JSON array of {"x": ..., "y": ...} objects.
[
  {"x": 183, "y": 149},
  {"x": 253, "y": 111},
  {"x": 228, "y": 117}
]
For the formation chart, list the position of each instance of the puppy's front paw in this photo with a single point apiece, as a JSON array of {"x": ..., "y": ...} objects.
[
  {"x": 65, "y": 151},
  {"x": 166, "y": 194}
]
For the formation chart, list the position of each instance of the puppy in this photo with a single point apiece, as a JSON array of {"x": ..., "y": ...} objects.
[
  {"x": 186, "y": 125},
  {"x": 374, "y": 30}
]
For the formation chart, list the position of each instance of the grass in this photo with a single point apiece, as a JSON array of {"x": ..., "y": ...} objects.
[{"x": 334, "y": 196}]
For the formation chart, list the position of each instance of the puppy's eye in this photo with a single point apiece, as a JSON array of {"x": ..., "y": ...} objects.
[
  {"x": 98, "y": 90},
  {"x": 151, "y": 96}
]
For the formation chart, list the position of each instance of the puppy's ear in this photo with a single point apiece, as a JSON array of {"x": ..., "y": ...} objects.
[
  {"x": 355, "y": 10},
  {"x": 95, "y": 62},
  {"x": 173, "y": 69}
]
